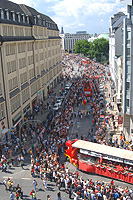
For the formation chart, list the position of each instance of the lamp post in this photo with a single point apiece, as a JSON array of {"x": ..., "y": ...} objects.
[{"x": 26, "y": 123}]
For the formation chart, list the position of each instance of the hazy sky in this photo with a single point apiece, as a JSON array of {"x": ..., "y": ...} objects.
[{"x": 92, "y": 16}]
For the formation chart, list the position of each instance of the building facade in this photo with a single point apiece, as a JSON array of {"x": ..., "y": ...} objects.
[
  {"x": 128, "y": 72},
  {"x": 116, "y": 56},
  {"x": 62, "y": 35},
  {"x": 115, "y": 42},
  {"x": 69, "y": 39},
  {"x": 30, "y": 60}
]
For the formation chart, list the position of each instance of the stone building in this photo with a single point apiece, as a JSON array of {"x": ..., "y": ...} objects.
[{"x": 30, "y": 60}]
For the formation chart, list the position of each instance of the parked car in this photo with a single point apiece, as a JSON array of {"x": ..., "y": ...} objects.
[
  {"x": 59, "y": 102},
  {"x": 67, "y": 87},
  {"x": 56, "y": 107},
  {"x": 60, "y": 98}
]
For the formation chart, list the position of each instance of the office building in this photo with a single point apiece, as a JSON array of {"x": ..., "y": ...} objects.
[
  {"x": 128, "y": 72},
  {"x": 115, "y": 55},
  {"x": 69, "y": 39},
  {"x": 30, "y": 60}
]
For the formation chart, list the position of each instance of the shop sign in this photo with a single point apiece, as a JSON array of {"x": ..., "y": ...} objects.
[{"x": 39, "y": 94}]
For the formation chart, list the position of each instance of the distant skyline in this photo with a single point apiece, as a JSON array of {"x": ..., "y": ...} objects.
[{"x": 92, "y": 16}]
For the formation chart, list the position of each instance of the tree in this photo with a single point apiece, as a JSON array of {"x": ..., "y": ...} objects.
[{"x": 98, "y": 49}]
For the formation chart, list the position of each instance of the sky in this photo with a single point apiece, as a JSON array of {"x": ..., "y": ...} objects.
[{"x": 92, "y": 16}]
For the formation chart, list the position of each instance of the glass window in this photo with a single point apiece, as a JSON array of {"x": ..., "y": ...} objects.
[
  {"x": 128, "y": 69},
  {"x": 128, "y": 35},
  {"x": 27, "y": 18},
  {"x": 128, "y": 77},
  {"x": 128, "y": 51},
  {"x": 128, "y": 58},
  {"x": 13, "y": 16},
  {"x": 0, "y": 89},
  {"x": 127, "y": 102},
  {"x": 127, "y": 86},
  {"x": 7, "y": 15},
  {"x": 128, "y": 41},
  {"x": 2, "y": 14},
  {"x": 18, "y": 17}
]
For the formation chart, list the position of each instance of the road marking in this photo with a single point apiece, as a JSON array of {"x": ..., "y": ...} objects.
[
  {"x": 26, "y": 178},
  {"x": 7, "y": 177},
  {"x": 18, "y": 172}
]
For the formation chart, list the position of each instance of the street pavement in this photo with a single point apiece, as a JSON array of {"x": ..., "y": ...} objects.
[{"x": 23, "y": 177}]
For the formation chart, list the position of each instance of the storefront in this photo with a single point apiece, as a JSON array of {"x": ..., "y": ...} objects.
[
  {"x": 27, "y": 111},
  {"x": 48, "y": 86},
  {"x": 17, "y": 120},
  {"x": 39, "y": 95},
  {"x": 5, "y": 135},
  {"x": 34, "y": 101},
  {"x": 55, "y": 82},
  {"x": 51, "y": 84}
]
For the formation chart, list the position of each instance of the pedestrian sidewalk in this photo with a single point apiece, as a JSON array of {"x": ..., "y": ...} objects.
[
  {"x": 109, "y": 98},
  {"x": 43, "y": 116}
]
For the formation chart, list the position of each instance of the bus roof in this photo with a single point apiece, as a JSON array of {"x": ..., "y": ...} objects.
[{"x": 103, "y": 149}]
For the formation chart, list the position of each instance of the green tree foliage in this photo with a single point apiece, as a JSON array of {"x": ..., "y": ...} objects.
[{"x": 98, "y": 49}]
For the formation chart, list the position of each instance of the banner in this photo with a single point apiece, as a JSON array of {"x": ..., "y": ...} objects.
[{"x": 120, "y": 120}]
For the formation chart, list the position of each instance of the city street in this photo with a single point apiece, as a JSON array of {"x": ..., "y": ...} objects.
[{"x": 23, "y": 177}]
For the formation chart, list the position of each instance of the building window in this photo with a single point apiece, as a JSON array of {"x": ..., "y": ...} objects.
[
  {"x": 18, "y": 16},
  {"x": 127, "y": 102},
  {"x": 128, "y": 51},
  {"x": 2, "y": 14},
  {"x": 23, "y": 77},
  {"x": 23, "y": 18},
  {"x": 15, "y": 103},
  {"x": 44, "y": 22},
  {"x": 128, "y": 58},
  {"x": 27, "y": 19},
  {"x": 0, "y": 90},
  {"x": 35, "y": 19},
  {"x": 128, "y": 35},
  {"x": 7, "y": 15},
  {"x": 25, "y": 95},
  {"x": 127, "y": 86},
  {"x": 2, "y": 112},
  {"x": 128, "y": 69},
  {"x": 13, "y": 83},
  {"x": 13, "y": 15}
]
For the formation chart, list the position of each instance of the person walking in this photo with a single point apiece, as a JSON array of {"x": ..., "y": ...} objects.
[
  {"x": 5, "y": 184},
  {"x": 33, "y": 194},
  {"x": 35, "y": 184},
  {"x": 59, "y": 196},
  {"x": 11, "y": 196},
  {"x": 45, "y": 183},
  {"x": 48, "y": 197}
]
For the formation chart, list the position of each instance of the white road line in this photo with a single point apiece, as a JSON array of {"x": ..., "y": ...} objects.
[
  {"x": 7, "y": 177},
  {"x": 26, "y": 178},
  {"x": 18, "y": 172}
]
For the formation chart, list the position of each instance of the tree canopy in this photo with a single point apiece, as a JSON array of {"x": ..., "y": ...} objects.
[{"x": 98, "y": 49}]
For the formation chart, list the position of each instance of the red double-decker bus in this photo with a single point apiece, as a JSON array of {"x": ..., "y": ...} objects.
[{"x": 100, "y": 159}]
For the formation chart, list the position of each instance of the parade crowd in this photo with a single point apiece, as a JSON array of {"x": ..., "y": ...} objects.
[{"x": 46, "y": 157}]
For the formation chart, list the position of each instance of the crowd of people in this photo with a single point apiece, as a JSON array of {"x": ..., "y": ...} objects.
[{"x": 46, "y": 161}]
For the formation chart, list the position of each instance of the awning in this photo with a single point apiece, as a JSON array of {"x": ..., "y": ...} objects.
[{"x": 4, "y": 131}]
